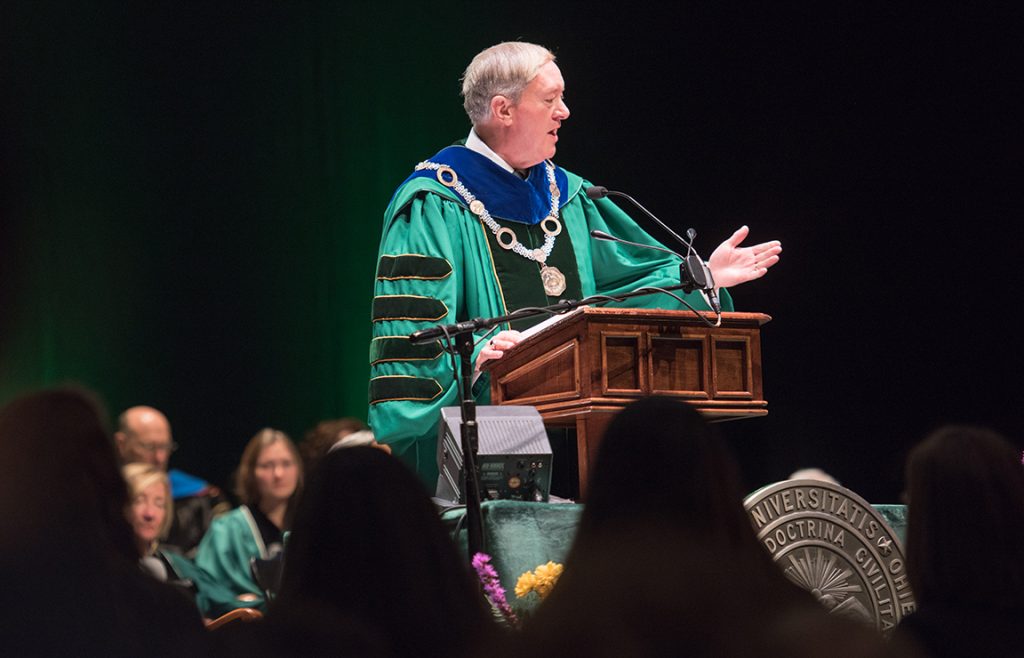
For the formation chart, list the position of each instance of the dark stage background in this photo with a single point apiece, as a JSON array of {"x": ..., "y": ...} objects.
[{"x": 192, "y": 194}]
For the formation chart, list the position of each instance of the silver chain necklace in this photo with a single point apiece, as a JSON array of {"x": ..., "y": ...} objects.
[{"x": 551, "y": 277}]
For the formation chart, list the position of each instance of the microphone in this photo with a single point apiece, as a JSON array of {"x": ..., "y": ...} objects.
[
  {"x": 709, "y": 280},
  {"x": 712, "y": 293},
  {"x": 693, "y": 267},
  {"x": 424, "y": 336}
]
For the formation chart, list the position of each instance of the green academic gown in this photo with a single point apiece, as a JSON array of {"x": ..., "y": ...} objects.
[
  {"x": 223, "y": 558},
  {"x": 438, "y": 263}
]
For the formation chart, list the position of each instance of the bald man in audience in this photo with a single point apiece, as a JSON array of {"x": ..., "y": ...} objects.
[{"x": 144, "y": 435}]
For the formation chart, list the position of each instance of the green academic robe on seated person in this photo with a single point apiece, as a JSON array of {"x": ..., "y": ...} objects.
[
  {"x": 439, "y": 263},
  {"x": 223, "y": 557}
]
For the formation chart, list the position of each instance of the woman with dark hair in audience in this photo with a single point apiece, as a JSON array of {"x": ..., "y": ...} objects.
[
  {"x": 666, "y": 562},
  {"x": 69, "y": 570},
  {"x": 965, "y": 543},
  {"x": 659, "y": 459},
  {"x": 367, "y": 546},
  {"x": 268, "y": 480},
  {"x": 335, "y": 434}
]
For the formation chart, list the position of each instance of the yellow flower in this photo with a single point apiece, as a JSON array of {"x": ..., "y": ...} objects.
[
  {"x": 525, "y": 584},
  {"x": 540, "y": 580},
  {"x": 546, "y": 575}
]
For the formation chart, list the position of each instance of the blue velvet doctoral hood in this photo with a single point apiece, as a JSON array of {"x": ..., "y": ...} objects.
[
  {"x": 506, "y": 195},
  {"x": 184, "y": 485}
]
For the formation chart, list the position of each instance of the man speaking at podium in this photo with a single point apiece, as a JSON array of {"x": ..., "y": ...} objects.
[{"x": 493, "y": 225}]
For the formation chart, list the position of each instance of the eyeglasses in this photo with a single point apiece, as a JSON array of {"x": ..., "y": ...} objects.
[
  {"x": 271, "y": 465},
  {"x": 158, "y": 447}
]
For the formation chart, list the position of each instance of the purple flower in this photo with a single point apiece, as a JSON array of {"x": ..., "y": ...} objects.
[{"x": 492, "y": 587}]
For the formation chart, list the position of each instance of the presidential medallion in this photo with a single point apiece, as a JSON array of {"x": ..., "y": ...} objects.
[{"x": 553, "y": 279}]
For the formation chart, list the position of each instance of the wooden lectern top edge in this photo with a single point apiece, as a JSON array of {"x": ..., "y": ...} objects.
[
  {"x": 729, "y": 318},
  {"x": 670, "y": 314}
]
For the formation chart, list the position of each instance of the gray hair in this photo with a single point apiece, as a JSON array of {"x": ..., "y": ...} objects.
[{"x": 501, "y": 70}]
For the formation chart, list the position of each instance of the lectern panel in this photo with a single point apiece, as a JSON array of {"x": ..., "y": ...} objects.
[
  {"x": 677, "y": 366},
  {"x": 552, "y": 375},
  {"x": 732, "y": 368},
  {"x": 621, "y": 363}
]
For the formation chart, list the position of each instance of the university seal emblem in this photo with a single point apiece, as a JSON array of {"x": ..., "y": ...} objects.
[{"x": 834, "y": 544}]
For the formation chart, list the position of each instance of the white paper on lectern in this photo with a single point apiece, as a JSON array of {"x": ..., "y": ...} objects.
[{"x": 553, "y": 320}]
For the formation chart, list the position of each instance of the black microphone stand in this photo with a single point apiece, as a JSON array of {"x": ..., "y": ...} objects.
[
  {"x": 462, "y": 333},
  {"x": 469, "y": 434}
]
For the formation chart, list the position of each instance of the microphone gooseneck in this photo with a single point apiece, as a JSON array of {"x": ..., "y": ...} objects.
[
  {"x": 693, "y": 271},
  {"x": 600, "y": 192},
  {"x": 601, "y": 235}
]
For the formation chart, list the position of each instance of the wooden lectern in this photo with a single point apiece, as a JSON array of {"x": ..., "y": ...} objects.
[{"x": 581, "y": 370}]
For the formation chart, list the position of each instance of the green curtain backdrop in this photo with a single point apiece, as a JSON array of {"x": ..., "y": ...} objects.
[{"x": 194, "y": 217}]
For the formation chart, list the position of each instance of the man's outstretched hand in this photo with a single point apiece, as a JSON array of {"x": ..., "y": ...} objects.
[{"x": 731, "y": 264}]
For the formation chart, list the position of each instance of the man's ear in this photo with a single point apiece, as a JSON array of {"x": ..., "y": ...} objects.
[
  {"x": 120, "y": 439},
  {"x": 502, "y": 109}
]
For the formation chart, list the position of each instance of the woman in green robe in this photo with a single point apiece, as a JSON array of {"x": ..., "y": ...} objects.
[{"x": 269, "y": 478}]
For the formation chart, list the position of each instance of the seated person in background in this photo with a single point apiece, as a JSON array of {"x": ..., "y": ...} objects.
[
  {"x": 367, "y": 546},
  {"x": 144, "y": 436},
  {"x": 268, "y": 480},
  {"x": 965, "y": 543},
  {"x": 337, "y": 433},
  {"x": 666, "y": 562},
  {"x": 196, "y": 504},
  {"x": 71, "y": 583},
  {"x": 150, "y": 516}
]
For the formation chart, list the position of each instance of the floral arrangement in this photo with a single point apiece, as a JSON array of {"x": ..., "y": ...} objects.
[
  {"x": 493, "y": 590},
  {"x": 540, "y": 580}
]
